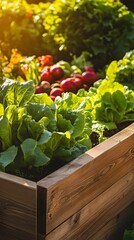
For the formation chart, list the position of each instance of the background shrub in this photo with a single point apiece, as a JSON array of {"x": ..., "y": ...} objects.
[{"x": 103, "y": 28}]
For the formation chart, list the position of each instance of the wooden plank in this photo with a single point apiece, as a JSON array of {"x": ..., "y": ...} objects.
[
  {"x": 131, "y": 127},
  {"x": 114, "y": 229},
  {"x": 95, "y": 215},
  {"x": 18, "y": 207},
  {"x": 70, "y": 188},
  {"x": 8, "y": 233}
]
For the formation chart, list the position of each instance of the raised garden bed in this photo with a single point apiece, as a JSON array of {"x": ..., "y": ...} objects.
[{"x": 88, "y": 198}]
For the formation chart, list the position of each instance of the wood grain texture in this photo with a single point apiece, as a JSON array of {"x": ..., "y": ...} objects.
[
  {"x": 96, "y": 214},
  {"x": 18, "y": 210},
  {"x": 69, "y": 189},
  {"x": 9, "y": 233},
  {"x": 114, "y": 229}
]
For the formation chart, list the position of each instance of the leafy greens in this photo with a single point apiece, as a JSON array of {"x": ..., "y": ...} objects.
[{"x": 36, "y": 132}]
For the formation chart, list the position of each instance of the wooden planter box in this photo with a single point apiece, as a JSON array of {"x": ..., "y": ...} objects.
[{"x": 92, "y": 197}]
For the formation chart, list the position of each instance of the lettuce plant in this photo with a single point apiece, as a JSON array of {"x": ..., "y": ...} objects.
[
  {"x": 122, "y": 71},
  {"x": 33, "y": 129}
]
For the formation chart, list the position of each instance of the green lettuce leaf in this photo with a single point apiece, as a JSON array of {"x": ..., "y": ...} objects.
[
  {"x": 7, "y": 157},
  {"x": 29, "y": 128},
  {"x": 42, "y": 98},
  {"x": 5, "y": 133},
  {"x": 65, "y": 154},
  {"x": 78, "y": 121},
  {"x": 38, "y": 111},
  {"x": 17, "y": 93},
  {"x": 15, "y": 117},
  {"x": 1, "y": 110},
  {"x": 49, "y": 142},
  {"x": 33, "y": 156},
  {"x": 112, "y": 102}
]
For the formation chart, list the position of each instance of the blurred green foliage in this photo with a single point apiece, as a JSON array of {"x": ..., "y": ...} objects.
[{"x": 103, "y": 28}]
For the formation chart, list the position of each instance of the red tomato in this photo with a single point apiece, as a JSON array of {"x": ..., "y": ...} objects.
[
  {"x": 78, "y": 82},
  {"x": 38, "y": 89},
  {"x": 89, "y": 77},
  {"x": 56, "y": 92},
  {"x": 57, "y": 72},
  {"x": 77, "y": 75},
  {"x": 68, "y": 85},
  {"x": 46, "y": 75},
  {"x": 45, "y": 86}
]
